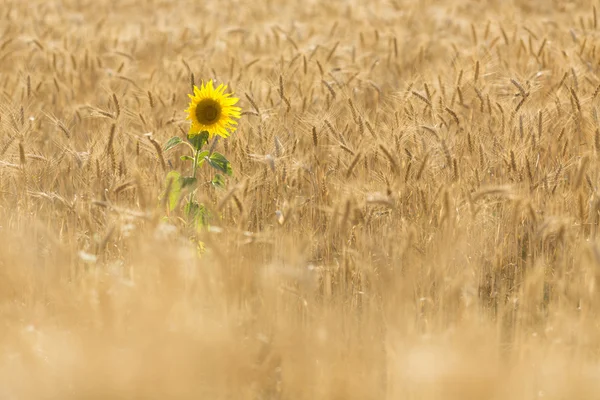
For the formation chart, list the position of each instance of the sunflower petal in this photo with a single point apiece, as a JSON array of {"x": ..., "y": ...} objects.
[{"x": 226, "y": 122}]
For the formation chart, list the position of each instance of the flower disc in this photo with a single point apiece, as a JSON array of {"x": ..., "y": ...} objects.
[{"x": 212, "y": 110}]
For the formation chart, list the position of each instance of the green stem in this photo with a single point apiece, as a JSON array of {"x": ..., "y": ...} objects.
[
  {"x": 194, "y": 168},
  {"x": 195, "y": 164}
]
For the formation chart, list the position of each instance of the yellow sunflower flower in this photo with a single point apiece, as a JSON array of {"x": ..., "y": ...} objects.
[{"x": 212, "y": 110}]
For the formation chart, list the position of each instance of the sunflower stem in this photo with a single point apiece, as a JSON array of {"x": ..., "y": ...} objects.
[
  {"x": 195, "y": 164},
  {"x": 194, "y": 168}
]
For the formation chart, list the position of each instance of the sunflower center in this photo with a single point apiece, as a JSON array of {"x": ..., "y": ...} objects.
[{"x": 208, "y": 112}]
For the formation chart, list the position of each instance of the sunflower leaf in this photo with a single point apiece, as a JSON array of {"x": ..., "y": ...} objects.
[
  {"x": 218, "y": 181},
  {"x": 219, "y": 162},
  {"x": 173, "y": 189},
  {"x": 186, "y": 158},
  {"x": 197, "y": 213},
  {"x": 198, "y": 140},
  {"x": 201, "y": 155},
  {"x": 174, "y": 141},
  {"x": 187, "y": 181}
]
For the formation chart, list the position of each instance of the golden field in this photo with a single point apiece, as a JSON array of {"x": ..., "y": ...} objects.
[{"x": 413, "y": 211}]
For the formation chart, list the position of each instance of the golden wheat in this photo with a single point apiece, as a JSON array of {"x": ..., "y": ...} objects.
[{"x": 413, "y": 211}]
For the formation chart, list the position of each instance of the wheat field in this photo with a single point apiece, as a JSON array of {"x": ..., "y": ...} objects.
[{"x": 413, "y": 211}]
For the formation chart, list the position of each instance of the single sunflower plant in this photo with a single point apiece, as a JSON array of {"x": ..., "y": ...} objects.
[{"x": 213, "y": 114}]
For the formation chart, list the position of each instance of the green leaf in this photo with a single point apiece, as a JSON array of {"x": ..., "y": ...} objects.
[
  {"x": 219, "y": 181},
  {"x": 201, "y": 155},
  {"x": 186, "y": 158},
  {"x": 198, "y": 140},
  {"x": 191, "y": 209},
  {"x": 197, "y": 213},
  {"x": 218, "y": 161},
  {"x": 174, "y": 141},
  {"x": 187, "y": 181},
  {"x": 173, "y": 189}
]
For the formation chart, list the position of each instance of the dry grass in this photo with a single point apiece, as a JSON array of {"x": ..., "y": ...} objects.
[{"x": 414, "y": 212}]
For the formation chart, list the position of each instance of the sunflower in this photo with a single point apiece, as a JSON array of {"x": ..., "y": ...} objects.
[{"x": 213, "y": 111}]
